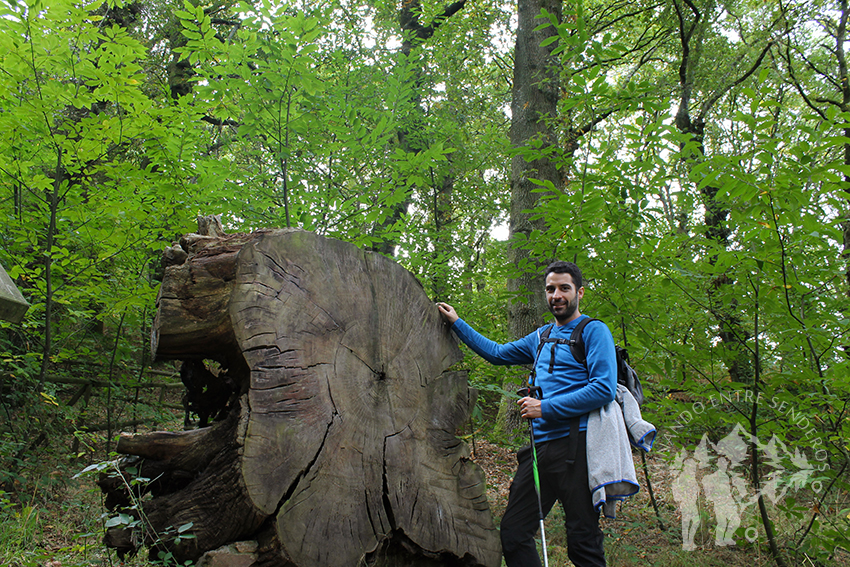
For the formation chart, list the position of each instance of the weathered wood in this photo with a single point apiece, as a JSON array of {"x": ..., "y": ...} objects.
[
  {"x": 13, "y": 306},
  {"x": 164, "y": 445},
  {"x": 215, "y": 502},
  {"x": 200, "y": 484},
  {"x": 345, "y": 448},
  {"x": 192, "y": 319},
  {"x": 238, "y": 554}
]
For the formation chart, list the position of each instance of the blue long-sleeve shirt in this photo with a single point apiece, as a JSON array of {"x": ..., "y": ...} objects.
[{"x": 571, "y": 389}]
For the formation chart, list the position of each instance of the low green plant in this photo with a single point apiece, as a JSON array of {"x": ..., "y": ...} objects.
[
  {"x": 41, "y": 531},
  {"x": 20, "y": 524},
  {"x": 133, "y": 516}
]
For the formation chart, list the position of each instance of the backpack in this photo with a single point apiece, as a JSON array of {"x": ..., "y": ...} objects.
[{"x": 626, "y": 375}]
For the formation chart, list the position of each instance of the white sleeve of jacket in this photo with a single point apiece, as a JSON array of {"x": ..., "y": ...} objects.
[
  {"x": 641, "y": 432},
  {"x": 610, "y": 468}
]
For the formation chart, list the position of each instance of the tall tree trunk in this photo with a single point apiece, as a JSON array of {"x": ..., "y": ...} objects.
[
  {"x": 411, "y": 137},
  {"x": 692, "y": 22},
  {"x": 53, "y": 204},
  {"x": 533, "y": 112}
]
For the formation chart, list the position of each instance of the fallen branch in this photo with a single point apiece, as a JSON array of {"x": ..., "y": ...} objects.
[{"x": 105, "y": 384}]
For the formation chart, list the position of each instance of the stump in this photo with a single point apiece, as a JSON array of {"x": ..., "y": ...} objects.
[{"x": 324, "y": 370}]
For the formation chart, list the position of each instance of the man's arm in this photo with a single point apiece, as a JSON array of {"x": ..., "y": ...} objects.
[
  {"x": 516, "y": 352},
  {"x": 529, "y": 407}
]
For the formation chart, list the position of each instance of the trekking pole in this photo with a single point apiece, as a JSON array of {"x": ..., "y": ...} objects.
[{"x": 533, "y": 391}]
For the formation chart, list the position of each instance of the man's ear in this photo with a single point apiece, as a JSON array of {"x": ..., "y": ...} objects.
[{"x": 580, "y": 293}]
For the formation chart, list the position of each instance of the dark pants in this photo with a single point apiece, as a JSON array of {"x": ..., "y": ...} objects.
[{"x": 560, "y": 481}]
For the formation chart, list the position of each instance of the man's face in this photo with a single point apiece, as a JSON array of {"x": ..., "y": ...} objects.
[{"x": 562, "y": 296}]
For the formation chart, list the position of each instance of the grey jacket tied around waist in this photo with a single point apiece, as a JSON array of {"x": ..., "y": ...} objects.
[{"x": 611, "y": 431}]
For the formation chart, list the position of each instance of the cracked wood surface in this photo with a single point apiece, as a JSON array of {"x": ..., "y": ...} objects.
[
  {"x": 349, "y": 411},
  {"x": 351, "y": 434}
]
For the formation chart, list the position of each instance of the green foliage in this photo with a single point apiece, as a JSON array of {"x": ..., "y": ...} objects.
[
  {"x": 73, "y": 113},
  {"x": 771, "y": 300},
  {"x": 51, "y": 523},
  {"x": 133, "y": 517},
  {"x": 115, "y": 133}
]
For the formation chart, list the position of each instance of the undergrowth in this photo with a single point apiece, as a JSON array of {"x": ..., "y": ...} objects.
[{"x": 50, "y": 517}]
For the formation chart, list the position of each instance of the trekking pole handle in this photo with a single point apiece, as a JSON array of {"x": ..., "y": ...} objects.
[{"x": 535, "y": 392}]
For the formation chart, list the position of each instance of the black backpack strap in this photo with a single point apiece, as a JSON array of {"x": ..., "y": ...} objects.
[
  {"x": 577, "y": 348},
  {"x": 544, "y": 336},
  {"x": 577, "y": 341}
]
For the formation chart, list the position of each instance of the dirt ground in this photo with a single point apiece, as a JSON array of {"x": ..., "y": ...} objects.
[{"x": 639, "y": 536}]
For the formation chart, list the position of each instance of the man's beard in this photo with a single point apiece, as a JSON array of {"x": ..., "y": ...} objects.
[{"x": 570, "y": 309}]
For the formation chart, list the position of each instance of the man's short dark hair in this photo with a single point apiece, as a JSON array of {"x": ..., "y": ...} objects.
[{"x": 561, "y": 267}]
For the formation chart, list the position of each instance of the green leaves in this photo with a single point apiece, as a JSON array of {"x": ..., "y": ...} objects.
[{"x": 74, "y": 127}]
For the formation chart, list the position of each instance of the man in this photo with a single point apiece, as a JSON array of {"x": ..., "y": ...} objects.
[{"x": 569, "y": 391}]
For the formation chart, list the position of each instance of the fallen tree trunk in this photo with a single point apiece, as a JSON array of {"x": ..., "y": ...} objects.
[{"x": 334, "y": 442}]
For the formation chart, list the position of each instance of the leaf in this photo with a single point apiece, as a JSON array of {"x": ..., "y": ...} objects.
[
  {"x": 91, "y": 468},
  {"x": 185, "y": 527},
  {"x": 119, "y": 520},
  {"x": 592, "y": 205}
]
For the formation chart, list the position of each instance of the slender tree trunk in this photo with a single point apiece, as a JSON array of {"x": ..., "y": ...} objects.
[
  {"x": 110, "y": 377},
  {"x": 443, "y": 194},
  {"x": 53, "y": 203},
  {"x": 754, "y": 450}
]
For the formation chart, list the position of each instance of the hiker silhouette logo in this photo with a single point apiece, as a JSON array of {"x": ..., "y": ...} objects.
[{"x": 716, "y": 476}]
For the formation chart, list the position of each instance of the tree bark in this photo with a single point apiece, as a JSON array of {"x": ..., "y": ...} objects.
[
  {"x": 533, "y": 112},
  {"x": 413, "y": 137},
  {"x": 338, "y": 444}
]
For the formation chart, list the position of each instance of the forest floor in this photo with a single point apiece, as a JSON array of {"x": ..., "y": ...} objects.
[
  {"x": 635, "y": 538},
  {"x": 60, "y": 524}
]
